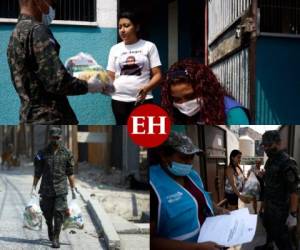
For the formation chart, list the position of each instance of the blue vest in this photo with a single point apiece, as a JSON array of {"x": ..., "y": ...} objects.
[
  {"x": 177, "y": 208},
  {"x": 230, "y": 103}
]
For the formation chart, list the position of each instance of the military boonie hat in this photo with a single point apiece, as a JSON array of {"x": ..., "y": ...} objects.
[
  {"x": 181, "y": 143},
  {"x": 270, "y": 137},
  {"x": 55, "y": 132}
]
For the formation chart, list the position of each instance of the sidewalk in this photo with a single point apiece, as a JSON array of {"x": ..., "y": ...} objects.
[
  {"x": 113, "y": 195},
  {"x": 116, "y": 210}
]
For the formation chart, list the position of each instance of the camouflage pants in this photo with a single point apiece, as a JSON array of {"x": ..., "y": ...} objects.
[
  {"x": 276, "y": 228},
  {"x": 54, "y": 209}
]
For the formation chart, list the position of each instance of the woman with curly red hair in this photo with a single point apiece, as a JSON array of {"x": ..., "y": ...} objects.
[{"x": 192, "y": 94}]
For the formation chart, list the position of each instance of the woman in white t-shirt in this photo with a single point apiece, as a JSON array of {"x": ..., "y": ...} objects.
[{"x": 134, "y": 65}]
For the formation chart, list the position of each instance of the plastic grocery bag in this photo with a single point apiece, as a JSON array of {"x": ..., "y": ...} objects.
[
  {"x": 85, "y": 67},
  {"x": 74, "y": 218},
  {"x": 33, "y": 216},
  {"x": 252, "y": 186}
]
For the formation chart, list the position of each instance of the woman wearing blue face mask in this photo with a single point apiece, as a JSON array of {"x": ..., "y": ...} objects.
[{"x": 179, "y": 203}]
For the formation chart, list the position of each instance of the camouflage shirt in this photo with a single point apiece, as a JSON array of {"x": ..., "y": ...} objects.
[
  {"x": 281, "y": 179},
  {"x": 54, "y": 169},
  {"x": 39, "y": 76}
]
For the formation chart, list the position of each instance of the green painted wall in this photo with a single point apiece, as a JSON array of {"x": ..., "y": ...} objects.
[{"x": 277, "y": 80}]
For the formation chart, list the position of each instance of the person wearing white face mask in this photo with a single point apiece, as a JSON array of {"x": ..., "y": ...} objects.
[
  {"x": 192, "y": 94},
  {"x": 38, "y": 75},
  {"x": 179, "y": 203}
]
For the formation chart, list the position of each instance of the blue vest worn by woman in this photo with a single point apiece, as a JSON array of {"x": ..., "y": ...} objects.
[
  {"x": 177, "y": 208},
  {"x": 241, "y": 114}
]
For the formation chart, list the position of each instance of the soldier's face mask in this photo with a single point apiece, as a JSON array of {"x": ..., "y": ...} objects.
[
  {"x": 55, "y": 141},
  {"x": 270, "y": 149},
  {"x": 48, "y": 18},
  {"x": 270, "y": 152}
]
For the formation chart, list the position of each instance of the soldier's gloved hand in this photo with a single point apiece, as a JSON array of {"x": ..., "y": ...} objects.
[
  {"x": 33, "y": 191},
  {"x": 95, "y": 85},
  {"x": 74, "y": 190},
  {"x": 291, "y": 221}
]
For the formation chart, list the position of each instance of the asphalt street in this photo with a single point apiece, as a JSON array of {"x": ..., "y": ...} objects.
[{"x": 15, "y": 188}]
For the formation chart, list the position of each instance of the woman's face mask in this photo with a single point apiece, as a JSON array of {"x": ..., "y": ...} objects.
[
  {"x": 180, "y": 169},
  {"x": 189, "y": 108}
]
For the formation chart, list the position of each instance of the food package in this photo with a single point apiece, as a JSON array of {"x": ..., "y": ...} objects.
[
  {"x": 33, "y": 216},
  {"x": 74, "y": 217},
  {"x": 85, "y": 67},
  {"x": 252, "y": 187}
]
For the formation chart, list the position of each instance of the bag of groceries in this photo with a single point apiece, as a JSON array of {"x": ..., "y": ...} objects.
[
  {"x": 85, "y": 67},
  {"x": 252, "y": 186},
  {"x": 33, "y": 216},
  {"x": 74, "y": 216}
]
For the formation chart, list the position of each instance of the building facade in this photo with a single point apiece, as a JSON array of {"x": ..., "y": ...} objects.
[{"x": 253, "y": 49}]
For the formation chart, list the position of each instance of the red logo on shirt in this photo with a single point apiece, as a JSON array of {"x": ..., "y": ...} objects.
[{"x": 149, "y": 125}]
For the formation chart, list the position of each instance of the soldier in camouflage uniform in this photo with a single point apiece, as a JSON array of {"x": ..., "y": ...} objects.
[
  {"x": 55, "y": 165},
  {"x": 281, "y": 198},
  {"x": 39, "y": 76}
]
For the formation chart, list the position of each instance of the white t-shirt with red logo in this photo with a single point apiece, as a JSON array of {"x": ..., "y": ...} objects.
[{"x": 132, "y": 66}]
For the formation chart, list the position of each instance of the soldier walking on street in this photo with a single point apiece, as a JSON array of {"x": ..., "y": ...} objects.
[
  {"x": 55, "y": 165},
  {"x": 40, "y": 78},
  {"x": 280, "y": 197}
]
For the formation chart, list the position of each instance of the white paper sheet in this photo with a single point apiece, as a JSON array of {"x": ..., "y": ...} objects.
[{"x": 229, "y": 230}]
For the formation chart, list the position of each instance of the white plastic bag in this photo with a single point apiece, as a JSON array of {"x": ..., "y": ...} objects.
[
  {"x": 85, "y": 67},
  {"x": 33, "y": 216},
  {"x": 252, "y": 186},
  {"x": 75, "y": 219}
]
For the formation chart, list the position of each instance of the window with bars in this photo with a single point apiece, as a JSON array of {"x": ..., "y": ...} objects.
[
  {"x": 280, "y": 16},
  {"x": 9, "y": 8},
  {"x": 67, "y": 10}
]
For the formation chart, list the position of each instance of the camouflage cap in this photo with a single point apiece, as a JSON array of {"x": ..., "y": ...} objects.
[
  {"x": 55, "y": 132},
  {"x": 270, "y": 137},
  {"x": 181, "y": 143}
]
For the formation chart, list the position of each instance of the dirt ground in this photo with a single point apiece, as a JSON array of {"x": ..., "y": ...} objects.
[{"x": 112, "y": 191}]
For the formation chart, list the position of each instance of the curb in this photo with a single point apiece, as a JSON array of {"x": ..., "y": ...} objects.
[
  {"x": 122, "y": 226},
  {"x": 102, "y": 220}
]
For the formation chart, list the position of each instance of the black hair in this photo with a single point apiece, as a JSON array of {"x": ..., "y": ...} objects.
[
  {"x": 132, "y": 16},
  {"x": 233, "y": 154}
]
